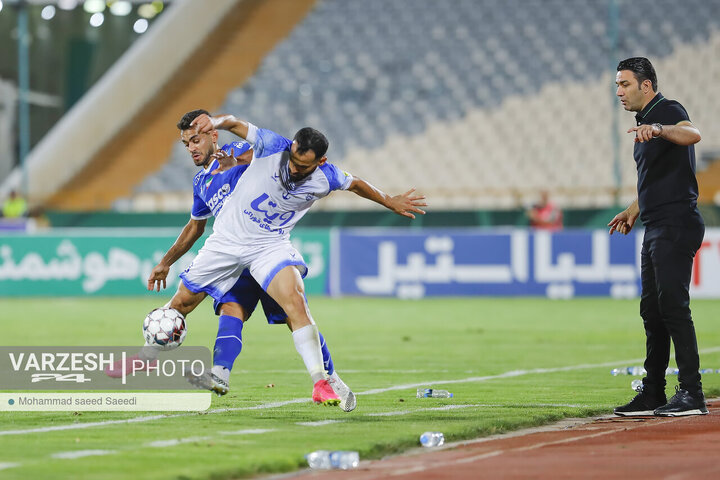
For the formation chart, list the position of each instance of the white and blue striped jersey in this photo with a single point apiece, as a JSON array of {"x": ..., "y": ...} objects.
[
  {"x": 210, "y": 191},
  {"x": 265, "y": 206}
]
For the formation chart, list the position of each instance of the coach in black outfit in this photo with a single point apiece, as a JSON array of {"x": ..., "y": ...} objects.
[{"x": 667, "y": 205}]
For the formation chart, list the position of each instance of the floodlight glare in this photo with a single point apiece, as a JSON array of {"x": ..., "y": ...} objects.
[
  {"x": 121, "y": 8},
  {"x": 48, "y": 12},
  {"x": 94, "y": 6},
  {"x": 140, "y": 25},
  {"x": 67, "y": 4},
  {"x": 146, "y": 10},
  {"x": 97, "y": 19}
]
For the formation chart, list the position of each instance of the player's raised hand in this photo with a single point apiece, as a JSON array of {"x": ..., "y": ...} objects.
[
  {"x": 204, "y": 123},
  {"x": 407, "y": 203},
  {"x": 643, "y": 133},
  {"x": 226, "y": 160},
  {"x": 158, "y": 277}
]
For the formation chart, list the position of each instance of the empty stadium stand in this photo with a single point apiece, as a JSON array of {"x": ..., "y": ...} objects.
[{"x": 478, "y": 103}]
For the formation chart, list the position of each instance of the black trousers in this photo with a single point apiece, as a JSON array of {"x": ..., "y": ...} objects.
[{"x": 666, "y": 267}]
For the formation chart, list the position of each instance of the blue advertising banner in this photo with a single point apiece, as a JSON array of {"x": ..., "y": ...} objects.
[{"x": 414, "y": 264}]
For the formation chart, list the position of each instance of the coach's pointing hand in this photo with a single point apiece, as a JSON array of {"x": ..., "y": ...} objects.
[{"x": 644, "y": 133}]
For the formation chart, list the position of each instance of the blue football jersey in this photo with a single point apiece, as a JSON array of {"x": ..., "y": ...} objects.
[{"x": 210, "y": 191}]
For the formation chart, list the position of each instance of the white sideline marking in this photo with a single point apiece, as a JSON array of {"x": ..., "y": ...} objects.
[
  {"x": 81, "y": 453},
  {"x": 5, "y": 465},
  {"x": 76, "y": 426},
  {"x": 178, "y": 441},
  {"x": 514, "y": 373},
  {"x": 247, "y": 431},
  {"x": 319, "y": 423}
]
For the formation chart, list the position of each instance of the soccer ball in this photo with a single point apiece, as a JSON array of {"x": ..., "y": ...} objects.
[{"x": 164, "y": 328}]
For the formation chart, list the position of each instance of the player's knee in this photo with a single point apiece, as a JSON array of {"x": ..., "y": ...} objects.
[
  {"x": 296, "y": 302},
  {"x": 234, "y": 309}
]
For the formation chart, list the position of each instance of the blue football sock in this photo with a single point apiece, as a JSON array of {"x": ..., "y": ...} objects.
[
  {"x": 327, "y": 359},
  {"x": 228, "y": 343}
]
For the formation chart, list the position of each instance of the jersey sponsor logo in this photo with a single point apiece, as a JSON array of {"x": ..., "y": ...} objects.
[
  {"x": 268, "y": 210},
  {"x": 215, "y": 202},
  {"x": 262, "y": 224}
]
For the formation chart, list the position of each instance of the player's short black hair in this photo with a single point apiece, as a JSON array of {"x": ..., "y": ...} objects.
[
  {"x": 187, "y": 119},
  {"x": 308, "y": 138},
  {"x": 641, "y": 68}
]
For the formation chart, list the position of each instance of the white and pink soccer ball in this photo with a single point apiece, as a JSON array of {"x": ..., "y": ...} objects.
[{"x": 164, "y": 328}]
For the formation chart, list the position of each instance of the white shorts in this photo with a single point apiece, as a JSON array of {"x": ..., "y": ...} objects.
[{"x": 216, "y": 272}]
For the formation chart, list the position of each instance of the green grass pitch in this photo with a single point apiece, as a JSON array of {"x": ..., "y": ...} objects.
[{"x": 511, "y": 363}]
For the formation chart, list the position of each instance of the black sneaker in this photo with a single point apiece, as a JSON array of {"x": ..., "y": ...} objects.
[
  {"x": 644, "y": 403},
  {"x": 683, "y": 403}
]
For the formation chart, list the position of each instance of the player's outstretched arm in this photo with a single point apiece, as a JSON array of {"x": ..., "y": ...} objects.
[
  {"x": 187, "y": 238},
  {"x": 206, "y": 123},
  {"x": 624, "y": 221},
  {"x": 404, "y": 204}
]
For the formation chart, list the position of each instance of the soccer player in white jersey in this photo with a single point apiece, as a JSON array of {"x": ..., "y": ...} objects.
[
  {"x": 210, "y": 189},
  {"x": 253, "y": 229}
]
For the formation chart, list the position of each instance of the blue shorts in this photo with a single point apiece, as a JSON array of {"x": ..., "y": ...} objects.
[{"x": 247, "y": 292}]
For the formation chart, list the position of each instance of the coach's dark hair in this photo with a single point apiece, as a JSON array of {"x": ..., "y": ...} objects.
[
  {"x": 310, "y": 139},
  {"x": 187, "y": 119},
  {"x": 641, "y": 68}
]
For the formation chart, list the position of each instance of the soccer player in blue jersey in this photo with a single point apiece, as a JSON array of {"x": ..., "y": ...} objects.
[
  {"x": 210, "y": 190},
  {"x": 253, "y": 229}
]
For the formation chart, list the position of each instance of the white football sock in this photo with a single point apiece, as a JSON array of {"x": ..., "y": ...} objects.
[{"x": 307, "y": 344}]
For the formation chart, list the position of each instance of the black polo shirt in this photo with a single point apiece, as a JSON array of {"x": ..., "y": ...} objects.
[{"x": 667, "y": 187}]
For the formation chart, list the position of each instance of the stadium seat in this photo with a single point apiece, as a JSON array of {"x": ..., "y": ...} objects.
[{"x": 485, "y": 86}]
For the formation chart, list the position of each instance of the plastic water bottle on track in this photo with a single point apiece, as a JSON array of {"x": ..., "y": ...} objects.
[
  {"x": 432, "y": 439},
  {"x": 628, "y": 371},
  {"x": 671, "y": 371},
  {"x": 433, "y": 393},
  {"x": 706, "y": 370},
  {"x": 333, "y": 460}
]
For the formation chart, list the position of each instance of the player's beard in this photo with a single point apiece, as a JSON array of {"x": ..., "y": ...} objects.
[
  {"x": 296, "y": 177},
  {"x": 206, "y": 159},
  {"x": 287, "y": 179}
]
